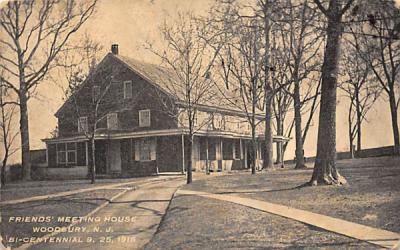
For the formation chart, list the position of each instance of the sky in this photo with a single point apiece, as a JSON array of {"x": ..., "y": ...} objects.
[{"x": 130, "y": 23}]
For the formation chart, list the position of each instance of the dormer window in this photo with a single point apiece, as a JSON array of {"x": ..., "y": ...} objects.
[
  {"x": 144, "y": 118},
  {"x": 127, "y": 89},
  {"x": 95, "y": 93},
  {"x": 82, "y": 124},
  {"x": 112, "y": 121}
]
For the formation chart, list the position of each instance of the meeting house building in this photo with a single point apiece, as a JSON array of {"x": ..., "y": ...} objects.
[{"x": 140, "y": 127}]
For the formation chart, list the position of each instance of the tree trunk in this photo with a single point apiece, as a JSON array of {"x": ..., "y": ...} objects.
[
  {"x": 207, "y": 158},
  {"x": 3, "y": 171},
  {"x": 93, "y": 169},
  {"x": 325, "y": 171},
  {"x": 297, "y": 121},
  {"x": 279, "y": 146},
  {"x": 24, "y": 131},
  {"x": 253, "y": 152},
  {"x": 268, "y": 162},
  {"x": 358, "y": 110},
  {"x": 395, "y": 126},
  {"x": 350, "y": 129},
  {"x": 189, "y": 156}
]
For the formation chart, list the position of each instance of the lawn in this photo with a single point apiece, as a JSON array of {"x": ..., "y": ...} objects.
[
  {"x": 19, "y": 190},
  {"x": 74, "y": 205},
  {"x": 371, "y": 198}
]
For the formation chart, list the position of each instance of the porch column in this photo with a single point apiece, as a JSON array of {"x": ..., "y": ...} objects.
[
  {"x": 281, "y": 160},
  {"x": 233, "y": 144},
  {"x": 218, "y": 153},
  {"x": 207, "y": 158},
  {"x": 221, "y": 153},
  {"x": 279, "y": 150},
  {"x": 183, "y": 153},
  {"x": 245, "y": 154},
  {"x": 87, "y": 153},
  {"x": 241, "y": 156}
]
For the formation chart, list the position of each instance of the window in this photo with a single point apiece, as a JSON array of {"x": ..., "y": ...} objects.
[
  {"x": 144, "y": 118},
  {"x": 82, "y": 124},
  {"x": 112, "y": 121},
  {"x": 183, "y": 118},
  {"x": 210, "y": 120},
  {"x": 219, "y": 121},
  {"x": 238, "y": 125},
  {"x": 61, "y": 151},
  {"x": 95, "y": 93},
  {"x": 66, "y": 153},
  {"x": 127, "y": 89},
  {"x": 145, "y": 149},
  {"x": 201, "y": 119},
  {"x": 196, "y": 122},
  {"x": 223, "y": 123}
]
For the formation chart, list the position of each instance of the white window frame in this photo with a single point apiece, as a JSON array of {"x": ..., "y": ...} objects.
[
  {"x": 58, "y": 151},
  {"x": 95, "y": 93},
  {"x": 128, "y": 95},
  {"x": 65, "y": 152},
  {"x": 144, "y": 123},
  {"x": 111, "y": 116},
  {"x": 143, "y": 155},
  {"x": 83, "y": 124}
]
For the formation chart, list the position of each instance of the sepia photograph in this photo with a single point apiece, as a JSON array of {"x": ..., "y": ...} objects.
[{"x": 199, "y": 124}]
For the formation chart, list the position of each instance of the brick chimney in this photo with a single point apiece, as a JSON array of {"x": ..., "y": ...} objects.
[{"x": 114, "y": 49}]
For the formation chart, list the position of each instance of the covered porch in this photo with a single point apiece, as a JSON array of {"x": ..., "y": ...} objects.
[{"x": 144, "y": 153}]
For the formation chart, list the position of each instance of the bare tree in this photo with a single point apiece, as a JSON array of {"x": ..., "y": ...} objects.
[
  {"x": 376, "y": 38},
  {"x": 7, "y": 134},
  {"x": 325, "y": 171},
  {"x": 245, "y": 60},
  {"x": 34, "y": 34},
  {"x": 362, "y": 92},
  {"x": 301, "y": 40},
  {"x": 78, "y": 65},
  {"x": 282, "y": 101},
  {"x": 190, "y": 84},
  {"x": 247, "y": 69}
]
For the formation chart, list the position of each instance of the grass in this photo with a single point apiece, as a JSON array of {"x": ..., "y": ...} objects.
[
  {"x": 200, "y": 223},
  {"x": 73, "y": 205},
  {"x": 371, "y": 198},
  {"x": 19, "y": 190}
]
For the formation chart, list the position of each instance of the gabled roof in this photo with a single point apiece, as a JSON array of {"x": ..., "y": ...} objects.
[
  {"x": 80, "y": 86},
  {"x": 167, "y": 81}
]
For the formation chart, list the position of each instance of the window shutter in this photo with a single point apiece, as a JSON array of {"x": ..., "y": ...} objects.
[
  {"x": 153, "y": 149},
  {"x": 137, "y": 151}
]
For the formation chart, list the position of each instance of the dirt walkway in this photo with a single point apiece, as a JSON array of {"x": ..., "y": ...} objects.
[
  {"x": 82, "y": 190},
  {"x": 128, "y": 222}
]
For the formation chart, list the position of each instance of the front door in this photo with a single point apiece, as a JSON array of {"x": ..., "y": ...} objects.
[
  {"x": 114, "y": 156},
  {"x": 101, "y": 159}
]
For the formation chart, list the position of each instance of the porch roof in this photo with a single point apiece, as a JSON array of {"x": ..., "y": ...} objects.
[{"x": 166, "y": 132}]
